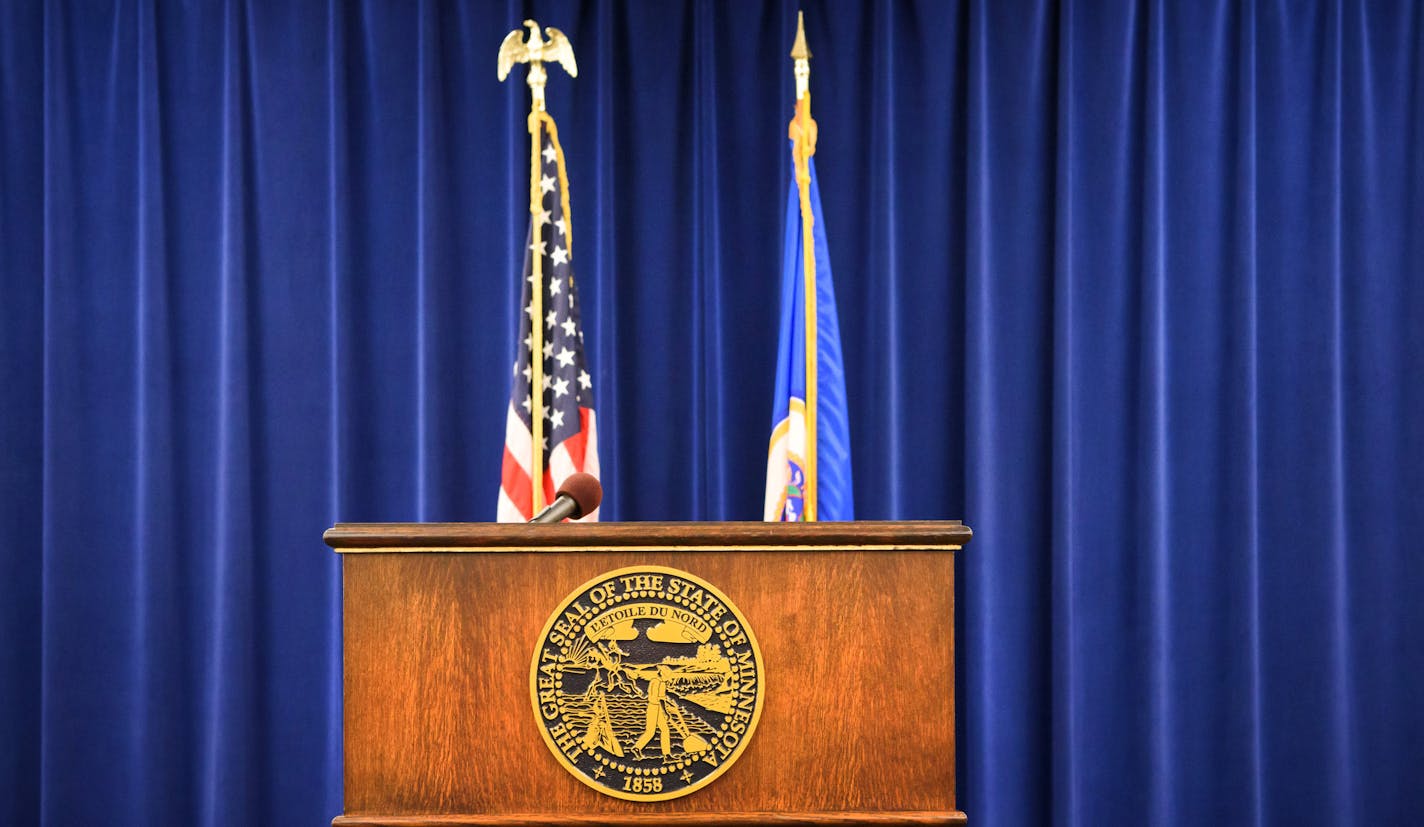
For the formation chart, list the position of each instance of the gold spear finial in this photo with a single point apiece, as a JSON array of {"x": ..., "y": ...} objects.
[
  {"x": 802, "y": 56},
  {"x": 536, "y": 52}
]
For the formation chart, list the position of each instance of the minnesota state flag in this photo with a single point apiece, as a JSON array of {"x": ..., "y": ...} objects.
[{"x": 808, "y": 462}]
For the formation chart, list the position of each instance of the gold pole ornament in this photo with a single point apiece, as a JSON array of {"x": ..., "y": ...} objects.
[
  {"x": 802, "y": 132},
  {"x": 802, "y": 56},
  {"x": 535, "y": 52}
]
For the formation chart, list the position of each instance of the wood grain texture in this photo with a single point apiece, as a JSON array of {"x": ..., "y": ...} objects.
[
  {"x": 858, "y": 719},
  {"x": 678, "y": 819},
  {"x": 561, "y": 537}
]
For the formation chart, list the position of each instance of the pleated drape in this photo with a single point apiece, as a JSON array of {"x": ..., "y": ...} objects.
[
  {"x": 1193, "y": 413},
  {"x": 1134, "y": 288}
]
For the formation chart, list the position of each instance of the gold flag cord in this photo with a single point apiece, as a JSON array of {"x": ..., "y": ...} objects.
[
  {"x": 540, "y": 120},
  {"x": 802, "y": 132},
  {"x": 568, "y": 231},
  {"x": 803, "y": 136},
  {"x": 536, "y": 321}
]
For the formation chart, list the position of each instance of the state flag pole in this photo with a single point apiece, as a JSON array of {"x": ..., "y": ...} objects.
[
  {"x": 808, "y": 456},
  {"x": 802, "y": 132}
]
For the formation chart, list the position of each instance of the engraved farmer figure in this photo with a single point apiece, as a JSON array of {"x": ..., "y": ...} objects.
[{"x": 657, "y": 720}]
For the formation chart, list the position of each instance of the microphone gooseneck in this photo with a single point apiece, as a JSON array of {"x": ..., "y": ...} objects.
[{"x": 579, "y": 495}]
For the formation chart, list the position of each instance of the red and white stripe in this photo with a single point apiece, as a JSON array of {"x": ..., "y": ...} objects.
[{"x": 577, "y": 453}]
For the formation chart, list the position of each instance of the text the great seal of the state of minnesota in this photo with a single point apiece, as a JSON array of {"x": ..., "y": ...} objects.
[{"x": 647, "y": 683}]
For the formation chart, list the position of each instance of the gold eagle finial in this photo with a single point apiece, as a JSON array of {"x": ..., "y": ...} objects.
[{"x": 536, "y": 51}]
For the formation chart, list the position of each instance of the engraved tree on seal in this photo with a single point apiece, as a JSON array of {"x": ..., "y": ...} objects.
[{"x": 647, "y": 683}]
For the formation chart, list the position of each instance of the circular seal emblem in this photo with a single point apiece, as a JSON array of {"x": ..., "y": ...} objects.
[{"x": 646, "y": 683}]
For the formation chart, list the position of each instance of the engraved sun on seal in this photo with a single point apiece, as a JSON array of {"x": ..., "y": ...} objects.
[{"x": 647, "y": 683}]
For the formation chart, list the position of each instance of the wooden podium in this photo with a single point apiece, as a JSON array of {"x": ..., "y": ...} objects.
[{"x": 856, "y": 629}]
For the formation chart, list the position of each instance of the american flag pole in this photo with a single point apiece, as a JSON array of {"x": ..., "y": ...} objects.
[
  {"x": 536, "y": 200},
  {"x": 551, "y": 429},
  {"x": 534, "y": 52}
]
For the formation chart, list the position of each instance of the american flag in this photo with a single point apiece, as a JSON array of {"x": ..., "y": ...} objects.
[{"x": 570, "y": 428}]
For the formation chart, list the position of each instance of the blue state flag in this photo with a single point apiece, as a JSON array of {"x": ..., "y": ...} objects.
[{"x": 808, "y": 469}]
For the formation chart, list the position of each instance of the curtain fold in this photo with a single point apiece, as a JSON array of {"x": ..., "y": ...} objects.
[
  {"x": 1133, "y": 288},
  {"x": 22, "y": 330}
]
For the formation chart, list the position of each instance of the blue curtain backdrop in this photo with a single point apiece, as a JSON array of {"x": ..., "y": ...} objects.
[{"x": 1134, "y": 288}]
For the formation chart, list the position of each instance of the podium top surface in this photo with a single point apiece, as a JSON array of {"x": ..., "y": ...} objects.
[{"x": 945, "y": 535}]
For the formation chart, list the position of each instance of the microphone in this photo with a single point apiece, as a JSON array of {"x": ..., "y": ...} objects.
[{"x": 579, "y": 495}]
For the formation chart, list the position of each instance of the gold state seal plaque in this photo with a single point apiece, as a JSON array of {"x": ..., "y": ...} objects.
[{"x": 647, "y": 683}]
